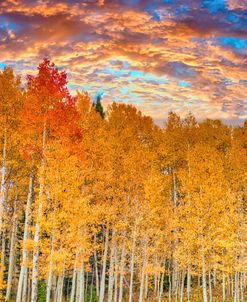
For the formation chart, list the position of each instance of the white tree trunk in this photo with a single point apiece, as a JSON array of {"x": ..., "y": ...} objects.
[
  {"x": 102, "y": 281},
  {"x": 96, "y": 270},
  {"x": 3, "y": 180},
  {"x": 188, "y": 283},
  {"x": 91, "y": 287},
  {"x": 111, "y": 274},
  {"x": 12, "y": 254},
  {"x": 142, "y": 283},
  {"x": 204, "y": 279},
  {"x": 72, "y": 293},
  {"x": 182, "y": 286},
  {"x": 223, "y": 288},
  {"x": 236, "y": 288},
  {"x": 78, "y": 282},
  {"x": 59, "y": 290},
  {"x": 132, "y": 262},
  {"x": 82, "y": 284},
  {"x": 146, "y": 286},
  {"x": 122, "y": 261},
  {"x": 210, "y": 286},
  {"x": 35, "y": 264},
  {"x": 116, "y": 275},
  {"x": 170, "y": 288},
  {"x": 23, "y": 272},
  {"x": 49, "y": 279},
  {"x": 161, "y": 287}
]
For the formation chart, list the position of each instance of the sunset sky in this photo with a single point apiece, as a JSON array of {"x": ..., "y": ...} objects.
[{"x": 160, "y": 55}]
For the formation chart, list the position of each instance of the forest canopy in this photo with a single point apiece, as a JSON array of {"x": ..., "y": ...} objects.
[{"x": 107, "y": 206}]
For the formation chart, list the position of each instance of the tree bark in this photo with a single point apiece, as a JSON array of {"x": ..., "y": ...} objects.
[
  {"x": 161, "y": 287},
  {"x": 122, "y": 261},
  {"x": 116, "y": 275},
  {"x": 132, "y": 266},
  {"x": 23, "y": 272},
  {"x": 182, "y": 286},
  {"x": 204, "y": 279},
  {"x": 102, "y": 281},
  {"x": 210, "y": 286},
  {"x": 3, "y": 180},
  {"x": 72, "y": 293},
  {"x": 12, "y": 253},
  {"x": 223, "y": 288},
  {"x": 49, "y": 279},
  {"x": 188, "y": 283},
  {"x": 111, "y": 273},
  {"x": 142, "y": 284},
  {"x": 96, "y": 270},
  {"x": 35, "y": 264}
]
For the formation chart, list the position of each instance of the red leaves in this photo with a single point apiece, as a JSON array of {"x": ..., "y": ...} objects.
[
  {"x": 48, "y": 101},
  {"x": 50, "y": 85}
]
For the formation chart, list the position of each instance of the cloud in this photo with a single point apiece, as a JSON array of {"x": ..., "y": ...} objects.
[{"x": 159, "y": 55}]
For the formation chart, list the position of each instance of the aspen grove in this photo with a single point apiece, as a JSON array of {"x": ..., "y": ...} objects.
[{"x": 109, "y": 207}]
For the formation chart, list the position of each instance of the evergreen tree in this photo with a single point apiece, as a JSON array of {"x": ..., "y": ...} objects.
[{"x": 98, "y": 106}]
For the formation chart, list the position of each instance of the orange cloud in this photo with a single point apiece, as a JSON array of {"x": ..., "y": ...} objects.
[{"x": 88, "y": 38}]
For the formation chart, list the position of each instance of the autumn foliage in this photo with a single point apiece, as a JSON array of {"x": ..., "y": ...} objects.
[{"x": 107, "y": 206}]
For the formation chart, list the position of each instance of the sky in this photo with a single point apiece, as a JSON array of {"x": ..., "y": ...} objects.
[{"x": 159, "y": 55}]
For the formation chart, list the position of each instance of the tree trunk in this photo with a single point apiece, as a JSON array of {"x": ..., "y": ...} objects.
[
  {"x": 170, "y": 288},
  {"x": 82, "y": 284},
  {"x": 25, "y": 286},
  {"x": 3, "y": 179},
  {"x": 111, "y": 273},
  {"x": 78, "y": 282},
  {"x": 2, "y": 267},
  {"x": 23, "y": 272},
  {"x": 132, "y": 267},
  {"x": 35, "y": 264},
  {"x": 72, "y": 293},
  {"x": 229, "y": 285},
  {"x": 210, "y": 286},
  {"x": 86, "y": 286},
  {"x": 146, "y": 286},
  {"x": 142, "y": 283},
  {"x": 91, "y": 287},
  {"x": 175, "y": 276},
  {"x": 122, "y": 261},
  {"x": 116, "y": 275},
  {"x": 161, "y": 287},
  {"x": 188, "y": 283},
  {"x": 96, "y": 270},
  {"x": 204, "y": 279},
  {"x": 12, "y": 254},
  {"x": 102, "y": 281},
  {"x": 236, "y": 288},
  {"x": 182, "y": 286},
  {"x": 49, "y": 279},
  {"x": 241, "y": 287},
  {"x": 223, "y": 288},
  {"x": 29, "y": 290},
  {"x": 59, "y": 292}
]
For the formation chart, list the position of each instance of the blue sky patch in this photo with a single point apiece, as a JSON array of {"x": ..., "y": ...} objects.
[
  {"x": 233, "y": 42},
  {"x": 214, "y": 6},
  {"x": 2, "y": 65},
  {"x": 184, "y": 84},
  {"x": 150, "y": 9}
]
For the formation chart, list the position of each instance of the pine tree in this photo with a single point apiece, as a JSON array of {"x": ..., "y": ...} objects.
[{"x": 98, "y": 106}]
